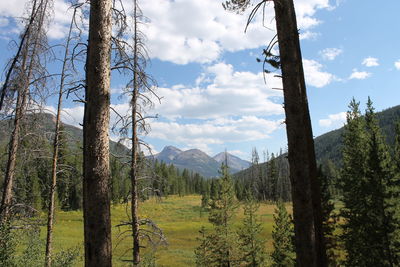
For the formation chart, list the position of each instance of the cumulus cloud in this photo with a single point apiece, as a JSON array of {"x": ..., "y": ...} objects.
[
  {"x": 224, "y": 106},
  {"x": 184, "y": 31},
  {"x": 370, "y": 62},
  {"x": 397, "y": 64},
  {"x": 314, "y": 75},
  {"x": 359, "y": 75},
  {"x": 71, "y": 115},
  {"x": 222, "y": 92},
  {"x": 333, "y": 120},
  {"x": 214, "y": 131},
  {"x": 330, "y": 53}
]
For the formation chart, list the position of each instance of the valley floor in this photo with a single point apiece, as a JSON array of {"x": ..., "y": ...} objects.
[{"x": 179, "y": 217}]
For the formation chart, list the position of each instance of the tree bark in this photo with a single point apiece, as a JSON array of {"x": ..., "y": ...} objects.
[
  {"x": 310, "y": 248},
  {"x": 56, "y": 145},
  {"x": 96, "y": 170},
  {"x": 134, "y": 185}
]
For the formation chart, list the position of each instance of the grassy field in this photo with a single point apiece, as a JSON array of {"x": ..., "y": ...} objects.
[{"x": 179, "y": 217}]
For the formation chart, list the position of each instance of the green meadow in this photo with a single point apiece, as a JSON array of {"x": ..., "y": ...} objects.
[{"x": 179, "y": 217}]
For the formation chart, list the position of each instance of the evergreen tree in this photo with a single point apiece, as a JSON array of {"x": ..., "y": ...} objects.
[
  {"x": 7, "y": 245},
  {"x": 351, "y": 184},
  {"x": 202, "y": 252},
  {"x": 252, "y": 245},
  {"x": 397, "y": 148},
  {"x": 205, "y": 198},
  {"x": 329, "y": 219},
  {"x": 367, "y": 193},
  {"x": 381, "y": 181},
  {"x": 222, "y": 211},
  {"x": 221, "y": 242},
  {"x": 283, "y": 254},
  {"x": 272, "y": 179}
]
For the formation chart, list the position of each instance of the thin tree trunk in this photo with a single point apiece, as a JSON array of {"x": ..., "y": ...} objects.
[
  {"x": 20, "y": 109},
  {"x": 134, "y": 185},
  {"x": 96, "y": 169},
  {"x": 56, "y": 145},
  {"x": 12, "y": 158},
  {"x": 310, "y": 247}
]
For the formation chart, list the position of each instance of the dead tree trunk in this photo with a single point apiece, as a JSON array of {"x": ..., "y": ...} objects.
[
  {"x": 29, "y": 48},
  {"x": 56, "y": 145},
  {"x": 96, "y": 169},
  {"x": 303, "y": 171},
  {"x": 134, "y": 184}
]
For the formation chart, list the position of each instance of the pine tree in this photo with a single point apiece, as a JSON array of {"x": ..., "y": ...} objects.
[
  {"x": 222, "y": 212},
  {"x": 282, "y": 238},
  {"x": 329, "y": 219},
  {"x": 381, "y": 185},
  {"x": 252, "y": 245},
  {"x": 366, "y": 184},
  {"x": 351, "y": 185},
  {"x": 221, "y": 249},
  {"x": 272, "y": 179},
  {"x": 202, "y": 251}
]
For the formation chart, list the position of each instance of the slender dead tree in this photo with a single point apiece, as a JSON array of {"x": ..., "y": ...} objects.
[
  {"x": 132, "y": 59},
  {"x": 96, "y": 169},
  {"x": 306, "y": 196},
  {"x": 134, "y": 182},
  {"x": 56, "y": 145},
  {"x": 19, "y": 79}
]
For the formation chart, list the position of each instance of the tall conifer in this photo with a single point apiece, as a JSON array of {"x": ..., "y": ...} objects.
[
  {"x": 252, "y": 245},
  {"x": 283, "y": 237},
  {"x": 367, "y": 193}
]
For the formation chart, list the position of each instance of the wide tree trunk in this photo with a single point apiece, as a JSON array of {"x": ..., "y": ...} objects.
[
  {"x": 96, "y": 171},
  {"x": 310, "y": 247}
]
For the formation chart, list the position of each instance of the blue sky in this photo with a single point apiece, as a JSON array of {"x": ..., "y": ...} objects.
[{"x": 214, "y": 95}]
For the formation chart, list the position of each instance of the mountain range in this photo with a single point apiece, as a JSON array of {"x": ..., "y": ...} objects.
[
  {"x": 198, "y": 161},
  {"x": 327, "y": 146}
]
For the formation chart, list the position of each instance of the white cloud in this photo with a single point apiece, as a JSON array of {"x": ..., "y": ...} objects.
[
  {"x": 224, "y": 92},
  {"x": 239, "y": 153},
  {"x": 359, "y": 75},
  {"x": 334, "y": 120},
  {"x": 184, "y": 31},
  {"x": 314, "y": 75},
  {"x": 397, "y": 64},
  {"x": 214, "y": 131},
  {"x": 13, "y": 8},
  {"x": 308, "y": 35},
  {"x": 201, "y": 35},
  {"x": 370, "y": 62},
  {"x": 330, "y": 53}
]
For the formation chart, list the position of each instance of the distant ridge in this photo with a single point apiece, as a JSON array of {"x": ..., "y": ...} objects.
[
  {"x": 235, "y": 163},
  {"x": 198, "y": 161}
]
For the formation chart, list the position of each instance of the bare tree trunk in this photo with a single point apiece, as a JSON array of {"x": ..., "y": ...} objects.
[
  {"x": 22, "y": 96},
  {"x": 96, "y": 169},
  {"x": 56, "y": 145},
  {"x": 12, "y": 159},
  {"x": 310, "y": 248},
  {"x": 134, "y": 204}
]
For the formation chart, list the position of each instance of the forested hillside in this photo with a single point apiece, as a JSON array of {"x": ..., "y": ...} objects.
[{"x": 329, "y": 145}]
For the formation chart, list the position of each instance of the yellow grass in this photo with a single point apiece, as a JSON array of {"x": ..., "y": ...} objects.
[{"x": 179, "y": 217}]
